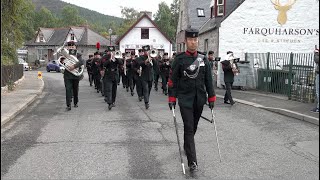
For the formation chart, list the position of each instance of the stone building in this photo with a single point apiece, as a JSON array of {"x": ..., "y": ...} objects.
[{"x": 48, "y": 40}]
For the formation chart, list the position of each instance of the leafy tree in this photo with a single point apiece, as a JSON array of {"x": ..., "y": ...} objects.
[
  {"x": 130, "y": 16},
  {"x": 44, "y": 18},
  {"x": 70, "y": 17},
  {"x": 163, "y": 18},
  {"x": 14, "y": 18},
  {"x": 175, "y": 8}
]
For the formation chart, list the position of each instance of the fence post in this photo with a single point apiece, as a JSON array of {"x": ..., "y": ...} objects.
[
  {"x": 290, "y": 76},
  {"x": 268, "y": 60}
]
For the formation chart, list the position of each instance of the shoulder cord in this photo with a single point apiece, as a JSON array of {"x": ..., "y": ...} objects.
[{"x": 194, "y": 76}]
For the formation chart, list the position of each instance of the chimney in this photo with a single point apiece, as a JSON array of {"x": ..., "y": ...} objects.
[{"x": 146, "y": 12}]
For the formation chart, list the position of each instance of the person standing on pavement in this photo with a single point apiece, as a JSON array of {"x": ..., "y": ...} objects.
[
  {"x": 191, "y": 81},
  {"x": 229, "y": 72},
  {"x": 89, "y": 68},
  {"x": 316, "y": 60}
]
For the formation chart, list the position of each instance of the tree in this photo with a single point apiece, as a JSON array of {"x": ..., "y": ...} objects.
[
  {"x": 175, "y": 9},
  {"x": 131, "y": 16},
  {"x": 70, "y": 17},
  {"x": 14, "y": 18},
  {"x": 44, "y": 18},
  {"x": 163, "y": 18}
]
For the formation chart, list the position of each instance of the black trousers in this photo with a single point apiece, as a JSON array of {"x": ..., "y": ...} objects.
[
  {"x": 139, "y": 86},
  {"x": 164, "y": 81},
  {"x": 147, "y": 86},
  {"x": 72, "y": 89},
  {"x": 97, "y": 81},
  {"x": 190, "y": 117},
  {"x": 131, "y": 83},
  {"x": 227, "y": 95},
  {"x": 124, "y": 80},
  {"x": 111, "y": 91},
  {"x": 156, "y": 80},
  {"x": 90, "y": 78}
]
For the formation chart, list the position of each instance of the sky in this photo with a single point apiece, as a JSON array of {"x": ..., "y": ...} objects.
[{"x": 113, "y": 7}]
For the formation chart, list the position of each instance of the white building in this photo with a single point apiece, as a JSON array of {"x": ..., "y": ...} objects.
[
  {"x": 144, "y": 32},
  {"x": 259, "y": 26}
]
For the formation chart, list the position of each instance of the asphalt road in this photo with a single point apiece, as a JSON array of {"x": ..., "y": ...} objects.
[{"x": 129, "y": 142}]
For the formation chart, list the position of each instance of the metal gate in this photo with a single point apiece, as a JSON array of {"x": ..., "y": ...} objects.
[{"x": 291, "y": 74}]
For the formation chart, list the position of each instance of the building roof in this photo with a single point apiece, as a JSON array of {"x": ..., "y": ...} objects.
[
  {"x": 195, "y": 21},
  {"x": 84, "y": 36},
  {"x": 231, "y": 6},
  {"x": 140, "y": 19}
]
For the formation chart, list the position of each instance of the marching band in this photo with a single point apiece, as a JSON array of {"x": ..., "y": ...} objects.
[{"x": 187, "y": 75}]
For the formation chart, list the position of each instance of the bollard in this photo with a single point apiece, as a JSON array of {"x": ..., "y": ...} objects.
[{"x": 39, "y": 75}]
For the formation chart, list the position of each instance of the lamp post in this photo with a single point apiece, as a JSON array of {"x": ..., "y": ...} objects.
[{"x": 110, "y": 32}]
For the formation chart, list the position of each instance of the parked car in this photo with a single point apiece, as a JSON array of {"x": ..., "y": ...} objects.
[
  {"x": 25, "y": 64},
  {"x": 53, "y": 65}
]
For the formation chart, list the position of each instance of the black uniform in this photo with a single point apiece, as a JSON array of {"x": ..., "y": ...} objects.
[
  {"x": 228, "y": 80},
  {"x": 147, "y": 78},
  {"x": 103, "y": 59},
  {"x": 156, "y": 73},
  {"x": 96, "y": 73},
  {"x": 71, "y": 83},
  {"x": 111, "y": 76},
  {"x": 164, "y": 71},
  {"x": 132, "y": 74},
  {"x": 191, "y": 89},
  {"x": 89, "y": 70}
]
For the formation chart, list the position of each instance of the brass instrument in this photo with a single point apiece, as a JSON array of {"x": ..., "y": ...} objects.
[
  {"x": 152, "y": 54},
  {"x": 69, "y": 61}
]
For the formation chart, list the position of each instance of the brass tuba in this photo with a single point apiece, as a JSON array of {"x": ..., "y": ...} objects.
[{"x": 69, "y": 61}]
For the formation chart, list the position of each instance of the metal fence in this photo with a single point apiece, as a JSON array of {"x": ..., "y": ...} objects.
[
  {"x": 11, "y": 73},
  {"x": 291, "y": 74}
]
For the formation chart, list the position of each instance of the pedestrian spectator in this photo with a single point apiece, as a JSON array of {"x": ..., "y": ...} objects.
[
  {"x": 316, "y": 60},
  {"x": 228, "y": 77}
]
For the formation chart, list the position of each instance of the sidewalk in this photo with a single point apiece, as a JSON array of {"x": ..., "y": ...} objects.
[
  {"x": 27, "y": 90},
  {"x": 275, "y": 103}
]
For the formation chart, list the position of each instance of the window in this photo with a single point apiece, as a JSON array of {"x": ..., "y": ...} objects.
[
  {"x": 41, "y": 37},
  {"x": 220, "y": 8},
  {"x": 181, "y": 20},
  {"x": 72, "y": 37},
  {"x": 212, "y": 12},
  {"x": 206, "y": 45},
  {"x": 144, "y": 33},
  {"x": 200, "y": 12}
]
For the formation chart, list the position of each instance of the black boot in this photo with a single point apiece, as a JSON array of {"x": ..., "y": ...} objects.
[
  {"x": 68, "y": 108},
  {"x": 147, "y": 105},
  {"x": 140, "y": 98},
  {"x": 193, "y": 167},
  {"x": 76, "y": 105},
  {"x": 110, "y": 106},
  {"x": 132, "y": 93}
]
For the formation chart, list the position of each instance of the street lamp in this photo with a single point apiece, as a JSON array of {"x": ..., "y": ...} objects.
[{"x": 110, "y": 32}]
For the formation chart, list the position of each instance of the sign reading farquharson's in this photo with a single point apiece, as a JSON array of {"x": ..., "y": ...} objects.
[
  {"x": 281, "y": 31},
  {"x": 271, "y": 26}
]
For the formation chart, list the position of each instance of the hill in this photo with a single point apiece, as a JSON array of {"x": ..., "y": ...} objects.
[{"x": 55, "y": 6}]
